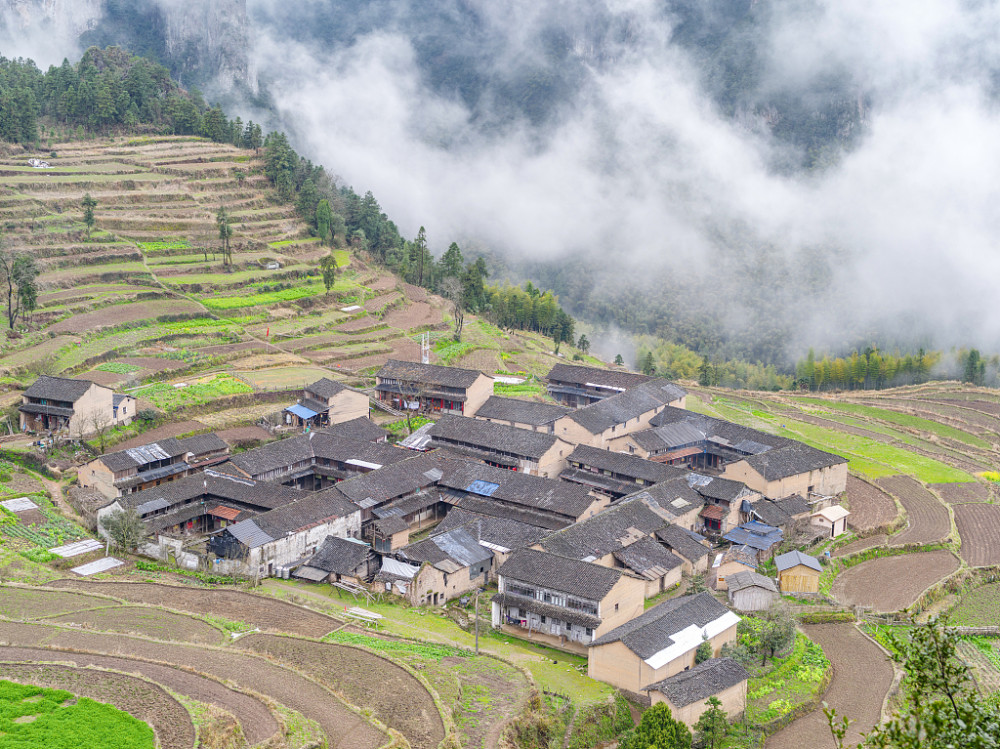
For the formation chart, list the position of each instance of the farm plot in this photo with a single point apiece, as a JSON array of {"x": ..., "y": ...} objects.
[
  {"x": 972, "y": 491},
  {"x": 257, "y": 611},
  {"x": 29, "y": 603},
  {"x": 980, "y": 608},
  {"x": 364, "y": 679},
  {"x": 117, "y": 314},
  {"x": 870, "y": 506},
  {"x": 927, "y": 519},
  {"x": 888, "y": 584},
  {"x": 860, "y": 545},
  {"x": 862, "y": 676},
  {"x": 143, "y": 620},
  {"x": 979, "y": 528},
  {"x": 253, "y": 715},
  {"x": 345, "y": 729},
  {"x": 94, "y": 723}
]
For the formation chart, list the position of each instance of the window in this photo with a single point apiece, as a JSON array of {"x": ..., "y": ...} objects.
[
  {"x": 616, "y": 607},
  {"x": 543, "y": 620},
  {"x": 590, "y": 632}
]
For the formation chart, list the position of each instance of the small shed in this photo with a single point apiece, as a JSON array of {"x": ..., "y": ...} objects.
[
  {"x": 798, "y": 572},
  {"x": 832, "y": 519},
  {"x": 339, "y": 560},
  {"x": 735, "y": 559},
  {"x": 685, "y": 693},
  {"x": 749, "y": 591}
]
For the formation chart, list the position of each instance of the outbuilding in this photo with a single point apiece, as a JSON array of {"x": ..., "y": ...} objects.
[
  {"x": 798, "y": 572},
  {"x": 749, "y": 591},
  {"x": 685, "y": 693},
  {"x": 832, "y": 519}
]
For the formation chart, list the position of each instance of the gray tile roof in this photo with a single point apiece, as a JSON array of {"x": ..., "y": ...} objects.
[
  {"x": 325, "y": 388},
  {"x": 202, "y": 444},
  {"x": 306, "y": 511},
  {"x": 749, "y": 579},
  {"x": 606, "y": 532},
  {"x": 675, "y": 496},
  {"x": 682, "y": 542},
  {"x": 608, "y": 378},
  {"x": 491, "y": 437},
  {"x": 701, "y": 682},
  {"x": 361, "y": 429},
  {"x": 498, "y": 531},
  {"x": 796, "y": 504},
  {"x": 790, "y": 460},
  {"x": 794, "y": 558},
  {"x": 647, "y": 558},
  {"x": 513, "y": 487},
  {"x": 714, "y": 487},
  {"x": 488, "y": 507},
  {"x": 624, "y": 464},
  {"x": 340, "y": 555},
  {"x": 418, "y": 471},
  {"x": 650, "y": 632},
  {"x": 431, "y": 374},
  {"x": 449, "y": 551},
  {"x": 261, "y": 495},
  {"x": 583, "y": 579},
  {"x": 616, "y": 410},
  {"x": 59, "y": 388},
  {"x": 321, "y": 443},
  {"x": 520, "y": 411}
]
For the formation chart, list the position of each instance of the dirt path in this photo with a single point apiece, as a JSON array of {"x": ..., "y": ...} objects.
[
  {"x": 344, "y": 728},
  {"x": 253, "y": 715},
  {"x": 862, "y": 676}
]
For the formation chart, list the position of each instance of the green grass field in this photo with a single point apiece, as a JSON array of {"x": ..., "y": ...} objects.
[{"x": 37, "y": 718}]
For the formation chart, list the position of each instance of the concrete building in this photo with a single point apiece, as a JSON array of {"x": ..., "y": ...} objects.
[
  {"x": 833, "y": 520},
  {"x": 686, "y": 693},
  {"x": 74, "y": 408},
  {"x": 432, "y": 388},
  {"x": 661, "y": 642}
]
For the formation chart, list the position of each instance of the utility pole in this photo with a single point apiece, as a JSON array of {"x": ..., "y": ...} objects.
[{"x": 477, "y": 619}]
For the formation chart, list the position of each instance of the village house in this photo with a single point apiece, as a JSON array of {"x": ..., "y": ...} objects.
[
  {"x": 395, "y": 577},
  {"x": 562, "y": 502},
  {"x": 432, "y": 388},
  {"x": 788, "y": 513},
  {"x": 763, "y": 539},
  {"x": 501, "y": 535},
  {"x": 563, "y": 602},
  {"x": 661, "y": 642},
  {"x": 686, "y": 693},
  {"x": 729, "y": 562},
  {"x": 622, "y": 536},
  {"x": 798, "y": 572},
  {"x": 792, "y": 469},
  {"x": 692, "y": 548},
  {"x": 138, "y": 468},
  {"x": 340, "y": 560},
  {"x": 277, "y": 541},
  {"x": 76, "y": 408},
  {"x": 577, "y": 386},
  {"x": 749, "y": 591},
  {"x": 503, "y": 446},
  {"x": 326, "y": 402},
  {"x": 451, "y": 563},
  {"x": 614, "y": 474},
  {"x": 532, "y": 415},
  {"x": 611, "y": 418},
  {"x": 833, "y": 520}
]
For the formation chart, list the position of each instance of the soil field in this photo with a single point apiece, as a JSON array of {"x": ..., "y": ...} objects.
[
  {"x": 890, "y": 584},
  {"x": 236, "y": 435},
  {"x": 979, "y": 528},
  {"x": 161, "y": 433},
  {"x": 257, "y": 611},
  {"x": 363, "y": 679},
  {"x": 27, "y": 603},
  {"x": 117, "y": 314},
  {"x": 147, "y": 621},
  {"x": 870, "y": 506},
  {"x": 972, "y": 491},
  {"x": 253, "y": 715},
  {"x": 860, "y": 545},
  {"x": 862, "y": 676},
  {"x": 344, "y": 729},
  {"x": 927, "y": 519},
  {"x": 413, "y": 316},
  {"x": 108, "y": 379},
  {"x": 147, "y": 702}
]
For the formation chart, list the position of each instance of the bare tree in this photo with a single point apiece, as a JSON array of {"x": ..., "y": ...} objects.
[
  {"x": 453, "y": 290},
  {"x": 125, "y": 528},
  {"x": 99, "y": 425}
]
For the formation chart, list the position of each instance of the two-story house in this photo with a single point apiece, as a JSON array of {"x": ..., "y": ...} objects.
[
  {"x": 77, "y": 408},
  {"x": 432, "y": 388},
  {"x": 326, "y": 402}
]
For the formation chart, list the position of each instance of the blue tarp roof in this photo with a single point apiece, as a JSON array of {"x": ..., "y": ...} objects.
[
  {"x": 745, "y": 535},
  {"x": 483, "y": 488},
  {"x": 301, "y": 411}
]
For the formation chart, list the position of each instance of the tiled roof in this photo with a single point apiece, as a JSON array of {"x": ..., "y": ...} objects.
[
  {"x": 539, "y": 519},
  {"x": 496, "y": 531},
  {"x": 431, "y": 374},
  {"x": 361, "y": 429},
  {"x": 418, "y": 471},
  {"x": 755, "y": 535},
  {"x": 40, "y": 408},
  {"x": 320, "y": 443},
  {"x": 651, "y": 632},
  {"x": 624, "y": 464},
  {"x": 583, "y": 579},
  {"x": 59, "y": 388},
  {"x": 520, "y": 411},
  {"x": 674, "y": 497},
  {"x": 339, "y": 555},
  {"x": 449, "y": 551},
  {"x": 790, "y": 460},
  {"x": 794, "y": 559},
  {"x": 308, "y": 510},
  {"x": 608, "y": 378},
  {"x": 492, "y": 437},
  {"x": 616, "y": 410},
  {"x": 647, "y": 558},
  {"x": 257, "y": 494},
  {"x": 606, "y": 532},
  {"x": 749, "y": 579},
  {"x": 701, "y": 682},
  {"x": 201, "y": 444},
  {"x": 514, "y": 487},
  {"x": 682, "y": 542},
  {"x": 325, "y": 388}
]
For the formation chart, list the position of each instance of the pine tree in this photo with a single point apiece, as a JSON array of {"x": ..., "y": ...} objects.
[
  {"x": 89, "y": 204},
  {"x": 712, "y": 726}
]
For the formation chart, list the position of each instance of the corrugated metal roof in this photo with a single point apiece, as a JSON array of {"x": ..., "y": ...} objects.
[
  {"x": 680, "y": 433},
  {"x": 147, "y": 453},
  {"x": 248, "y": 533},
  {"x": 152, "y": 506},
  {"x": 301, "y": 411},
  {"x": 399, "y": 569}
]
